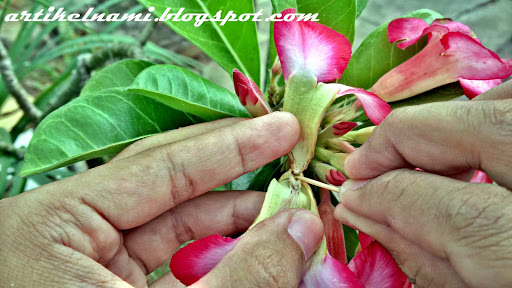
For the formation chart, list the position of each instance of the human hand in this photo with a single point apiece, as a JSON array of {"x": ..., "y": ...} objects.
[
  {"x": 112, "y": 225},
  {"x": 443, "y": 232}
]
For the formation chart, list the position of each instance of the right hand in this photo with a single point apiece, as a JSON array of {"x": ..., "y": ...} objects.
[{"x": 443, "y": 232}]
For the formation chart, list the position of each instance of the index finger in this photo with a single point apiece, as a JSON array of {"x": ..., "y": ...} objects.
[
  {"x": 442, "y": 138},
  {"x": 131, "y": 191}
]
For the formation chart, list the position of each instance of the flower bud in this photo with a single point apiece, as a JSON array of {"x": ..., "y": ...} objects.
[
  {"x": 341, "y": 145},
  {"x": 359, "y": 136},
  {"x": 250, "y": 95},
  {"x": 276, "y": 68},
  {"x": 327, "y": 173}
]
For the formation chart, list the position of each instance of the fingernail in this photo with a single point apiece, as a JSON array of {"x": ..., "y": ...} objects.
[
  {"x": 307, "y": 230},
  {"x": 352, "y": 185}
]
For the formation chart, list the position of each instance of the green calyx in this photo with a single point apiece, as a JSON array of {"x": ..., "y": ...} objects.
[
  {"x": 280, "y": 196},
  {"x": 308, "y": 101}
]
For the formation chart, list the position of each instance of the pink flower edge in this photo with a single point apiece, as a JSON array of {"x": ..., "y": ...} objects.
[
  {"x": 481, "y": 177},
  {"x": 376, "y": 108},
  {"x": 375, "y": 268},
  {"x": 192, "y": 262},
  {"x": 311, "y": 47}
]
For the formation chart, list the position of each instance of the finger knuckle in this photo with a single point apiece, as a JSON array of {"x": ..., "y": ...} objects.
[
  {"x": 396, "y": 184},
  {"x": 496, "y": 114},
  {"x": 482, "y": 218},
  {"x": 270, "y": 269},
  {"x": 177, "y": 172},
  {"x": 180, "y": 227}
]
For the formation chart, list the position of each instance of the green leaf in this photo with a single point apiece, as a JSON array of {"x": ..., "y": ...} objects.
[
  {"x": 444, "y": 93},
  {"x": 96, "y": 125},
  {"x": 280, "y": 5},
  {"x": 376, "y": 56},
  {"x": 351, "y": 241},
  {"x": 185, "y": 91},
  {"x": 361, "y": 4},
  {"x": 234, "y": 45},
  {"x": 118, "y": 75},
  {"x": 257, "y": 180},
  {"x": 338, "y": 15}
]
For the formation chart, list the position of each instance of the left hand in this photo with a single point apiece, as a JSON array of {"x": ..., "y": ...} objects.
[{"x": 112, "y": 225}]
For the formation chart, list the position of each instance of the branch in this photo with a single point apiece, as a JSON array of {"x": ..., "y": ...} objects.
[
  {"x": 146, "y": 33},
  {"x": 14, "y": 87},
  {"x": 10, "y": 149}
]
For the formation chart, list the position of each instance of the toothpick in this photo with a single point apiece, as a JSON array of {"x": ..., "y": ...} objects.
[{"x": 318, "y": 183}]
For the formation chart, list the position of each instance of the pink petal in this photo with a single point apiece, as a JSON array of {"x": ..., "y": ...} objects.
[
  {"x": 198, "y": 258},
  {"x": 408, "y": 284},
  {"x": 476, "y": 61},
  {"x": 408, "y": 29},
  {"x": 454, "y": 26},
  {"x": 250, "y": 95},
  {"x": 311, "y": 47},
  {"x": 343, "y": 128},
  {"x": 330, "y": 274},
  {"x": 473, "y": 88},
  {"x": 376, "y": 108},
  {"x": 454, "y": 56},
  {"x": 481, "y": 177},
  {"x": 333, "y": 228},
  {"x": 376, "y": 268},
  {"x": 364, "y": 240}
]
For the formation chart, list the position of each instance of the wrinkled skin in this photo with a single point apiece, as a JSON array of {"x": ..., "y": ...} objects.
[
  {"x": 443, "y": 231},
  {"x": 112, "y": 225}
]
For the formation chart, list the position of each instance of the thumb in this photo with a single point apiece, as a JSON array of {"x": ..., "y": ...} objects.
[{"x": 274, "y": 253}]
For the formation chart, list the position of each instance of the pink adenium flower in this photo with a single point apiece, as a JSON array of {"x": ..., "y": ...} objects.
[
  {"x": 250, "y": 95},
  {"x": 453, "y": 53},
  {"x": 373, "y": 267},
  {"x": 314, "y": 50},
  {"x": 310, "y": 47}
]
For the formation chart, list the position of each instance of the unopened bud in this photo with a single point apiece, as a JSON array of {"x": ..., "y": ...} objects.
[
  {"x": 327, "y": 173},
  {"x": 359, "y": 136},
  {"x": 276, "y": 68},
  {"x": 341, "y": 145},
  {"x": 335, "y": 131},
  {"x": 337, "y": 160},
  {"x": 250, "y": 95}
]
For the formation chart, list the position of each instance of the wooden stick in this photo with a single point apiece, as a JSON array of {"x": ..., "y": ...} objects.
[{"x": 318, "y": 183}]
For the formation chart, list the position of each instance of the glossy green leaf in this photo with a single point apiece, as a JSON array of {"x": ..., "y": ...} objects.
[
  {"x": 444, "y": 93},
  {"x": 279, "y": 5},
  {"x": 351, "y": 241},
  {"x": 376, "y": 56},
  {"x": 118, "y": 75},
  {"x": 234, "y": 45},
  {"x": 361, "y": 4},
  {"x": 257, "y": 180},
  {"x": 96, "y": 125},
  {"x": 185, "y": 91},
  {"x": 338, "y": 15}
]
